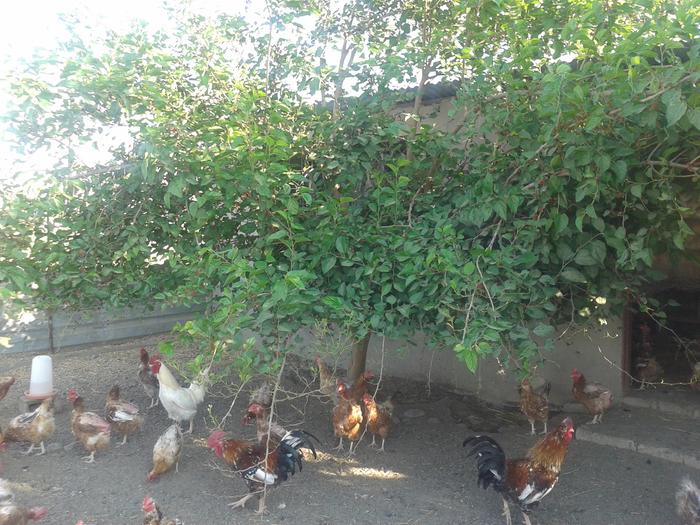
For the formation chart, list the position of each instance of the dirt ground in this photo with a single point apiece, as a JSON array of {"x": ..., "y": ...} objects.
[{"x": 423, "y": 478}]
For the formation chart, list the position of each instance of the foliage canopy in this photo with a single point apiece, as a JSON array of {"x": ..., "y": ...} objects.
[{"x": 249, "y": 179}]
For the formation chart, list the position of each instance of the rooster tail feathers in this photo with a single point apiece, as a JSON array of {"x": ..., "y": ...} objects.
[
  {"x": 297, "y": 439},
  {"x": 688, "y": 501},
  {"x": 490, "y": 461}
]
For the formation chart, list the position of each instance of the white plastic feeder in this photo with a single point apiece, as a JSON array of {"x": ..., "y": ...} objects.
[{"x": 41, "y": 380}]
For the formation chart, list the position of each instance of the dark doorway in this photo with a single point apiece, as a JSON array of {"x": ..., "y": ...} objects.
[{"x": 667, "y": 353}]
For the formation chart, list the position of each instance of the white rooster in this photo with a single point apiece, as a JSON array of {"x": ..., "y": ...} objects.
[{"x": 180, "y": 403}]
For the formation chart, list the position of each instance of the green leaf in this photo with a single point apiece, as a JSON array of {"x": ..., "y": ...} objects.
[
  {"x": 341, "y": 244},
  {"x": 166, "y": 348},
  {"x": 543, "y": 330},
  {"x": 328, "y": 263},
  {"x": 573, "y": 275},
  {"x": 334, "y": 302},
  {"x": 636, "y": 190},
  {"x": 675, "y": 106},
  {"x": 468, "y": 268},
  {"x": 694, "y": 117}
]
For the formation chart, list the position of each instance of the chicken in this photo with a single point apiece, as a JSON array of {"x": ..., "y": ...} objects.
[
  {"x": 261, "y": 415},
  {"x": 153, "y": 515},
  {"x": 595, "y": 398},
  {"x": 695, "y": 378},
  {"x": 180, "y": 403},
  {"x": 688, "y": 502},
  {"x": 648, "y": 371},
  {"x": 13, "y": 514},
  {"x": 33, "y": 427},
  {"x": 524, "y": 481},
  {"x": 348, "y": 419},
  {"x": 148, "y": 381},
  {"x": 262, "y": 465},
  {"x": 124, "y": 417},
  {"x": 378, "y": 418},
  {"x": 261, "y": 396},
  {"x": 535, "y": 405},
  {"x": 166, "y": 452},
  {"x": 5, "y": 384},
  {"x": 88, "y": 428},
  {"x": 326, "y": 380},
  {"x": 359, "y": 387}
]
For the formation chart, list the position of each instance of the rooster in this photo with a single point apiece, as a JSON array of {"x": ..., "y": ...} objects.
[
  {"x": 348, "y": 418},
  {"x": 180, "y": 403},
  {"x": 166, "y": 452},
  {"x": 535, "y": 405},
  {"x": 524, "y": 481},
  {"x": 88, "y": 428},
  {"x": 595, "y": 398},
  {"x": 148, "y": 381},
  {"x": 124, "y": 417},
  {"x": 688, "y": 502},
  {"x": 5, "y": 384},
  {"x": 33, "y": 427},
  {"x": 153, "y": 515},
  {"x": 264, "y": 464}
]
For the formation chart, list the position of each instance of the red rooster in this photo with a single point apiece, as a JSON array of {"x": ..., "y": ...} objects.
[
  {"x": 263, "y": 465},
  {"x": 524, "y": 481}
]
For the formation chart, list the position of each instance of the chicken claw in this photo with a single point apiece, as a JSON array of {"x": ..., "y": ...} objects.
[
  {"x": 90, "y": 458},
  {"x": 239, "y": 504}
]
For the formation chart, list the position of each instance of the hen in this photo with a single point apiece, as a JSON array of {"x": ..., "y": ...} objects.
[
  {"x": 378, "y": 418},
  {"x": 348, "y": 419},
  {"x": 148, "y": 381},
  {"x": 595, "y": 398},
  {"x": 695, "y": 378},
  {"x": 523, "y": 481},
  {"x": 124, "y": 417},
  {"x": 648, "y": 371},
  {"x": 180, "y": 403},
  {"x": 13, "y": 514},
  {"x": 264, "y": 464},
  {"x": 153, "y": 515},
  {"x": 33, "y": 427},
  {"x": 166, "y": 452},
  {"x": 5, "y": 384},
  {"x": 688, "y": 502},
  {"x": 87, "y": 427},
  {"x": 359, "y": 387},
  {"x": 535, "y": 405}
]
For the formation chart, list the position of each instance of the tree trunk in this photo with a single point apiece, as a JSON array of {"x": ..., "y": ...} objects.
[
  {"x": 359, "y": 357},
  {"x": 51, "y": 347}
]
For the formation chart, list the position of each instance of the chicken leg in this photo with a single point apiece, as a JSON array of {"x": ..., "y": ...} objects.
[
  {"x": 381, "y": 449},
  {"x": 239, "y": 504},
  {"x": 545, "y": 428},
  {"x": 340, "y": 445},
  {"x": 90, "y": 458},
  {"x": 506, "y": 512},
  {"x": 526, "y": 519},
  {"x": 154, "y": 402},
  {"x": 261, "y": 506},
  {"x": 31, "y": 448},
  {"x": 532, "y": 427},
  {"x": 123, "y": 441}
]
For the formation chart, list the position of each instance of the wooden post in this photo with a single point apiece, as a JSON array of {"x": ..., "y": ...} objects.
[
  {"x": 359, "y": 357},
  {"x": 51, "y": 346}
]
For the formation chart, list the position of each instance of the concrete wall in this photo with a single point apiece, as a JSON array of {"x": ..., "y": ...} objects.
[
  {"x": 581, "y": 351},
  {"x": 29, "y": 332}
]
